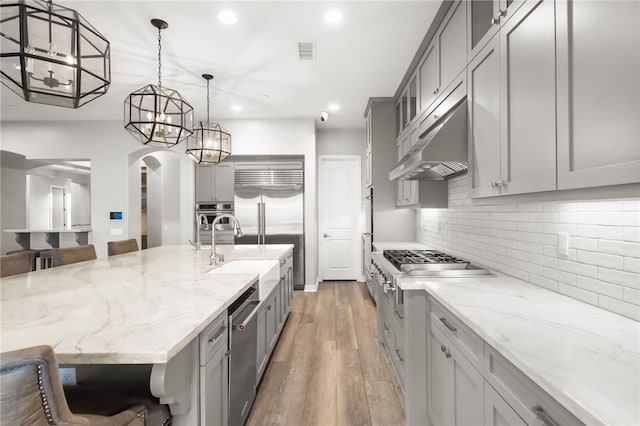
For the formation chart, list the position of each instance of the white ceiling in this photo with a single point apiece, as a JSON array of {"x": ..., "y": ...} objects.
[{"x": 365, "y": 55}]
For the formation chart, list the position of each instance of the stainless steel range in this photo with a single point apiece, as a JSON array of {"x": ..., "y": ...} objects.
[{"x": 432, "y": 263}]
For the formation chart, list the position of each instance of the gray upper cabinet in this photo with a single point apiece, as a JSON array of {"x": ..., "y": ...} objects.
[
  {"x": 512, "y": 106},
  {"x": 445, "y": 58},
  {"x": 215, "y": 183},
  {"x": 485, "y": 17},
  {"x": 598, "y": 56},
  {"x": 428, "y": 71},
  {"x": 527, "y": 100},
  {"x": 452, "y": 44},
  {"x": 484, "y": 121}
]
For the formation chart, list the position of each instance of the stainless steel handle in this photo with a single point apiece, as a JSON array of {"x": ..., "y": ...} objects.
[
  {"x": 495, "y": 21},
  {"x": 497, "y": 184},
  {"x": 503, "y": 12},
  {"x": 448, "y": 325},
  {"x": 325, "y": 235},
  {"x": 400, "y": 357},
  {"x": 247, "y": 320},
  {"x": 543, "y": 416},
  {"x": 217, "y": 334},
  {"x": 447, "y": 354}
]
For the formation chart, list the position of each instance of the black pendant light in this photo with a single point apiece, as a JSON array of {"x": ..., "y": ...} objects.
[
  {"x": 51, "y": 55},
  {"x": 211, "y": 143},
  {"x": 156, "y": 115}
]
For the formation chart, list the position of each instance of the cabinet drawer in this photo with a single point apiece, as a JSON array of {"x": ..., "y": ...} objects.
[
  {"x": 454, "y": 93},
  {"x": 527, "y": 399},
  {"x": 212, "y": 337},
  {"x": 467, "y": 342}
]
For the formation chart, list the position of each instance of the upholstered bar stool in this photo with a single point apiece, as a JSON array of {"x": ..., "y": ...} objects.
[
  {"x": 34, "y": 254},
  {"x": 68, "y": 255},
  {"x": 15, "y": 263},
  {"x": 32, "y": 394},
  {"x": 122, "y": 246}
]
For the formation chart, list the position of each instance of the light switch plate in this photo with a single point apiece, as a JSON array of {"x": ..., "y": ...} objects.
[{"x": 116, "y": 231}]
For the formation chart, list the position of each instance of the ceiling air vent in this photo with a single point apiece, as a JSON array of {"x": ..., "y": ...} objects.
[{"x": 306, "y": 51}]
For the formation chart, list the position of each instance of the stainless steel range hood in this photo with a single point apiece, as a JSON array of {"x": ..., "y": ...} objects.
[{"x": 441, "y": 151}]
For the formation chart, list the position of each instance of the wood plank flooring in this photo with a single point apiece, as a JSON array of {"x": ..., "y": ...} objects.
[{"x": 328, "y": 368}]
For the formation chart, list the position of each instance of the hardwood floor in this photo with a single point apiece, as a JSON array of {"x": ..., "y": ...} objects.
[{"x": 328, "y": 368}]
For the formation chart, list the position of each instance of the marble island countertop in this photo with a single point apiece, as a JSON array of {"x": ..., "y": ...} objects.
[
  {"x": 136, "y": 308},
  {"x": 586, "y": 358}
]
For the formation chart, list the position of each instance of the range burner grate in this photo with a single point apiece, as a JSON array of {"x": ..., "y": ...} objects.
[{"x": 421, "y": 257}]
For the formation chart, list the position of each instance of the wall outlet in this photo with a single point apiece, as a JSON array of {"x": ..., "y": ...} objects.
[
  {"x": 563, "y": 244},
  {"x": 68, "y": 376}
]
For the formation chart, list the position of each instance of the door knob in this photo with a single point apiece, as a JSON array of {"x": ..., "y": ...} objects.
[{"x": 325, "y": 235}]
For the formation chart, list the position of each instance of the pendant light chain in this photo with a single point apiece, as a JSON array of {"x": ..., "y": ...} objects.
[
  {"x": 208, "y": 101},
  {"x": 159, "y": 58}
]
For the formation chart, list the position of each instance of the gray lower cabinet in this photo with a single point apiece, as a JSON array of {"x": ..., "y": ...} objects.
[
  {"x": 456, "y": 388},
  {"x": 497, "y": 411},
  {"x": 272, "y": 315},
  {"x": 214, "y": 374},
  {"x": 598, "y": 55}
]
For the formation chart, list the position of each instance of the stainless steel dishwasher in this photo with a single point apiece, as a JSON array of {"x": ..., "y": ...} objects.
[{"x": 242, "y": 360}]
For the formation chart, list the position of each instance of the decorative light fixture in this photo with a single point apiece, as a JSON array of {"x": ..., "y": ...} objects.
[
  {"x": 155, "y": 115},
  {"x": 51, "y": 55},
  {"x": 212, "y": 143}
]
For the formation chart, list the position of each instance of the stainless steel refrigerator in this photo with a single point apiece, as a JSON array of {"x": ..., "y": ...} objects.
[{"x": 269, "y": 204}]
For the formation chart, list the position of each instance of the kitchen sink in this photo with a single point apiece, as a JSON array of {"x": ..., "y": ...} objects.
[{"x": 269, "y": 271}]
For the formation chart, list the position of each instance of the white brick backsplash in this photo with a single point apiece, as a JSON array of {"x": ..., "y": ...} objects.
[
  {"x": 601, "y": 287},
  {"x": 632, "y": 234},
  {"x": 632, "y": 264},
  {"x": 578, "y": 293},
  {"x": 632, "y": 296},
  {"x": 603, "y": 264},
  {"x": 590, "y": 244},
  {"x": 598, "y": 231},
  {"x": 619, "y": 218},
  {"x": 621, "y": 248},
  {"x": 627, "y": 279},
  {"x": 578, "y": 268},
  {"x": 600, "y": 259},
  {"x": 618, "y": 306}
]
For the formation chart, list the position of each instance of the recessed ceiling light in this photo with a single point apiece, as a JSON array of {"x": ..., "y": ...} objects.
[
  {"x": 333, "y": 16},
  {"x": 334, "y": 107},
  {"x": 236, "y": 108},
  {"x": 227, "y": 17}
]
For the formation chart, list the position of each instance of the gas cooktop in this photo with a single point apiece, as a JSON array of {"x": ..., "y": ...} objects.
[{"x": 425, "y": 263}]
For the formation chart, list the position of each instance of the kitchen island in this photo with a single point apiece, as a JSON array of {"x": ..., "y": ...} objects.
[{"x": 144, "y": 307}]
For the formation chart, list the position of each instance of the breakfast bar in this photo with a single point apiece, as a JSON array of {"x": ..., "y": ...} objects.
[
  {"x": 144, "y": 307},
  {"x": 52, "y": 236}
]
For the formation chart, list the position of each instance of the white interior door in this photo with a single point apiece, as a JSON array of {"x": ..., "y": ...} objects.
[
  {"x": 339, "y": 215},
  {"x": 58, "y": 207}
]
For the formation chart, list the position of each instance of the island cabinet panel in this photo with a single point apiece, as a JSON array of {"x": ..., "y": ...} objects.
[
  {"x": 598, "y": 55},
  {"x": 214, "y": 373}
]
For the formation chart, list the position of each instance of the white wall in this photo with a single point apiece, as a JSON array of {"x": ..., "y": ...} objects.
[
  {"x": 114, "y": 154},
  {"x": 80, "y": 203},
  {"x": 521, "y": 240},
  {"x": 13, "y": 208}
]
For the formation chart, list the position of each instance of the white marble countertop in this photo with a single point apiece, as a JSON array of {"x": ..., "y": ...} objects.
[
  {"x": 380, "y": 246},
  {"x": 586, "y": 358},
  {"x": 135, "y": 308}
]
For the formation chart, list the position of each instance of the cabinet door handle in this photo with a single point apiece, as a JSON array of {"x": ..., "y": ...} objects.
[
  {"x": 497, "y": 184},
  {"x": 268, "y": 307},
  {"x": 217, "y": 334},
  {"x": 436, "y": 116},
  {"x": 399, "y": 355},
  {"x": 443, "y": 348},
  {"x": 503, "y": 12},
  {"x": 448, "y": 325},
  {"x": 495, "y": 21},
  {"x": 543, "y": 416},
  {"x": 447, "y": 354},
  {"x": 435, "y": 91}
]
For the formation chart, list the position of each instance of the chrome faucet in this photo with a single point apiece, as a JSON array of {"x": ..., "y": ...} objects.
[
  {"x": 219, "y": 257},
  {"x": 200, "y": 219}
]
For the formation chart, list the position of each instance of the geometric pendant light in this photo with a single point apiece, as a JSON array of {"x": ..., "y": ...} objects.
[
  {"x": 156, "y": 115},
  {"x": 51, "y": 55},
  {"x": 210, "y": 143}
]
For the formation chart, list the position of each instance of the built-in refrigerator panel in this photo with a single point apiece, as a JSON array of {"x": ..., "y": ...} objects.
[{"x": 277, "y": 190}]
